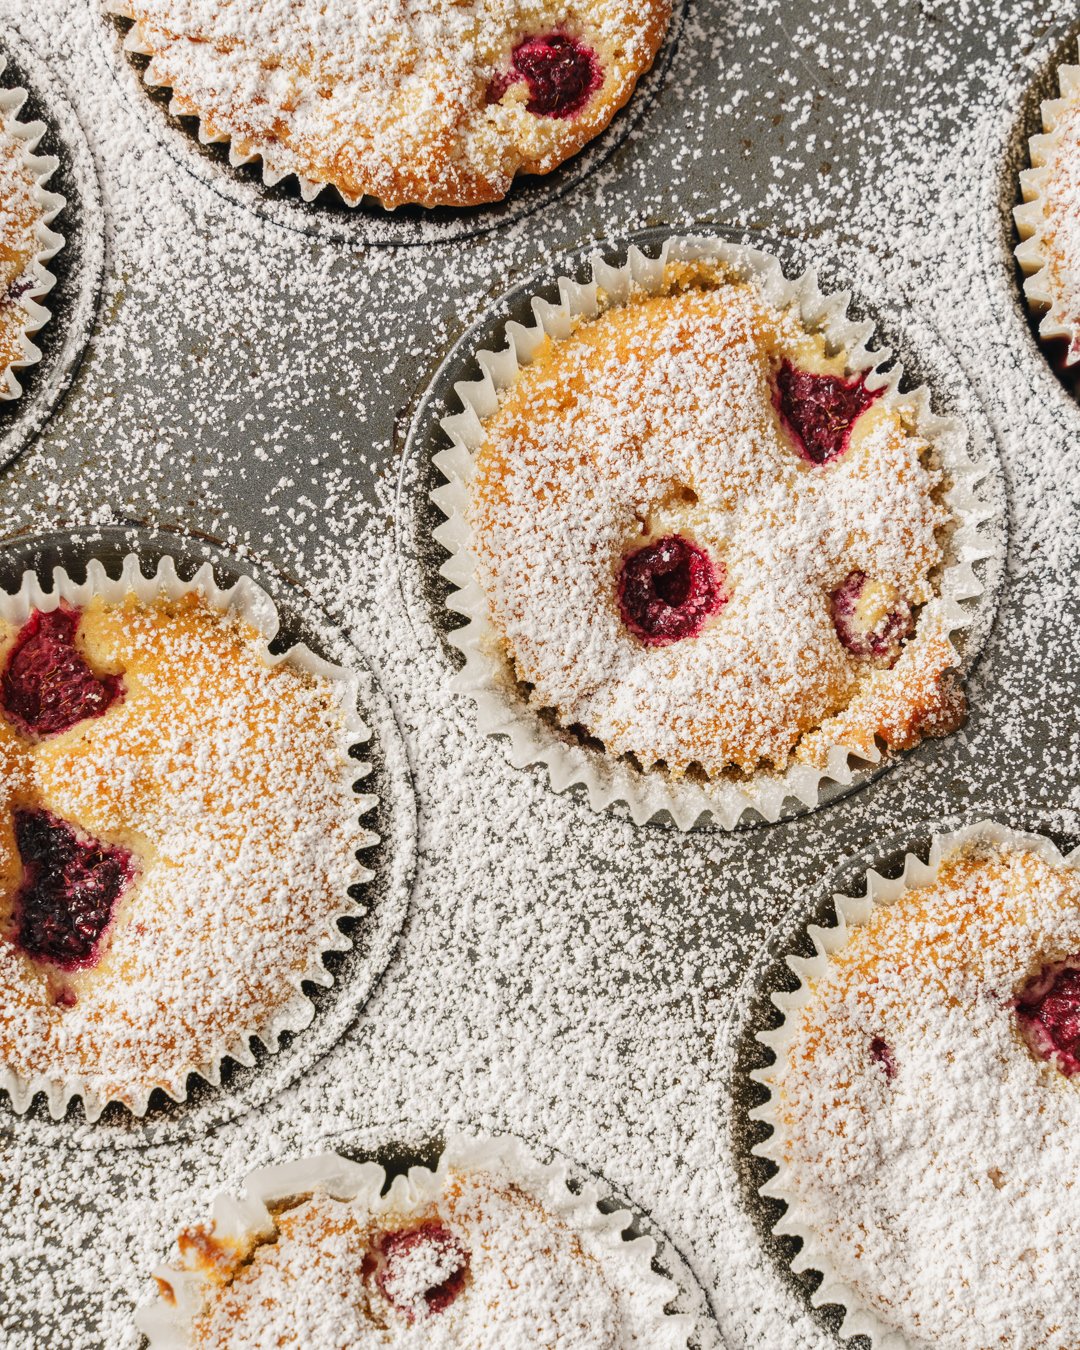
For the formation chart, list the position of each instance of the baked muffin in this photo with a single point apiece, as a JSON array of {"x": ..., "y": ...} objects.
[
  {"x": 709, "y": 542},
  {"x": 26, "y": 242},
  {"x": 441, "y": 104},
  {"x": 490, "y": 1250},
  {"x": 925, "y": 1103},
  {"x": 178, "y": 833}
]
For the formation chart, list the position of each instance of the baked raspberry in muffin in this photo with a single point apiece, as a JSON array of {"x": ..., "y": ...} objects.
[
  {"x": 439, "y": 104},
  {"x": 1047, "y": 221},
  {"x": 26, "y": 242},
  {"x": 709, "y": 542},
  {"x": 178, "y": 833},
  {"x": 491, "y": 1250},
  {"x": 925, "y": 1102}
]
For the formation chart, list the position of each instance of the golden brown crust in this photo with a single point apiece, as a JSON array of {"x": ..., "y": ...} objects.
[
  {"x": 403, "y": 112},
  {"x": 211, "y": 770},
  {"x": 658, "y": 418}
]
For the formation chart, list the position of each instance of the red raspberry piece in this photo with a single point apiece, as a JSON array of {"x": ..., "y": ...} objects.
[
  {"x": 819, "y": 411},
  {"x": 421, "y": 1270},
  {"x": 668, "y": 589},
  {"x": 70, "y": 885},
  {"x": 881, "y": 1053},
  {"x": 47, "y": 685},
  {"x": 562, "y": 74},
  {"x": 1048, "y": 1011},
  {"x": 871, "y": 619}
]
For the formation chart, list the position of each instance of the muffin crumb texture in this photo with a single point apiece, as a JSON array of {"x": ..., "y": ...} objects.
[{"x": 711, "y": 546}]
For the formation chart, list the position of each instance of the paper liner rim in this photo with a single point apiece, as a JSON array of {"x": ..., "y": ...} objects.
[
  {"x": 1032, "y": 253},
  {"x": 245, "y": 598},
  {"x": 859, "y": 1319},
  {"x": 489, "y": 681},
  {"x": 166, "y": 1325},
  {"x": 40, "y": 168}
]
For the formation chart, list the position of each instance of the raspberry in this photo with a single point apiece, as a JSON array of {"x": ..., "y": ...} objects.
[
  {"x": 421, "y": 1270},
  {"x": 47, "y": 685},
  {"x": 562, "y": 75},
  {"x": 668, "y": 589},
  {"x": 70, "y": 885},
  {"x": 881, "y": 1053},
  {"x": 1048, "y": 1011},
  {"x": 819, "y": 411},
  {"x": 871, "y": 619}
]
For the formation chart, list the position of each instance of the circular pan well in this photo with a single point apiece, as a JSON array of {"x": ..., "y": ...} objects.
[
  {"x": 369, "y": 224},
  {"x": 751, "y": 1216},
  {"x": 356, "y": 971},
  {"x": 72, "y": 302},
  {"x": 917, "y": 346}
]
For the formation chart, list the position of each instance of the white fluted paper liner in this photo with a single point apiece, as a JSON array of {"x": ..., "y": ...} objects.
[
  {"x": 40, "y": 168},
  {"x": 853, "y": 912},
  {"x": 248, "y": 1220},
  {"x": 1030, "y": 217},
  {"x": 251, "y": 604},
  {"x": 273, "y": 171},
  {"x": 489, "y": 680}
]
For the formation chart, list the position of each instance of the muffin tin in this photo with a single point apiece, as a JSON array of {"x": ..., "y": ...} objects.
[{"x": 262, "y": 375}]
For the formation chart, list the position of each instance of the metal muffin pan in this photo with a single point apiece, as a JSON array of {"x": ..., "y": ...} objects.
[
  {"x": 356, "y": 971},
  {"x": 771, "y": 117}
]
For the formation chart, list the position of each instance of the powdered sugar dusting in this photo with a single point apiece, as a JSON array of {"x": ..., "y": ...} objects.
[
  {"x": 491, "y": 1240},
  {"x": 223, "y": 805},
  {"x": 563, "y": 974},
  {"x": 405, "y": 103},
  {"x": 581, "y": 464},
  {"x": 933, "y": 1189}
]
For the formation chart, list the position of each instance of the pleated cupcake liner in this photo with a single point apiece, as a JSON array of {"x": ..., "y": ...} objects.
[
  {"x": 40, "y": 168},
  {"x": 241, "y": 1223},
  {"x": 249, "y": 603},
  {"x": 488, "y": 678},
  {"x": 1032, "y": 253}
]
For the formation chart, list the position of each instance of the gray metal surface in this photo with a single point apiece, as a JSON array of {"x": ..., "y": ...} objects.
[{"x": 771, "y": 116}]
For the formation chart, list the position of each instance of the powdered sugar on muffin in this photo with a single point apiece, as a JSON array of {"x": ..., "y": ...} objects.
[
  {"x": 711, "y": 417},
  {"x": 493, "y": 1248},
  {"x": 178, "y": 837},
  {"x": 433, "y": 102},
  {"x": 926, "y": 1137}
]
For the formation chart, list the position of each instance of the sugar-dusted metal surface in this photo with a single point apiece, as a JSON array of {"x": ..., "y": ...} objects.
[{"x": 252, "y": 385}]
